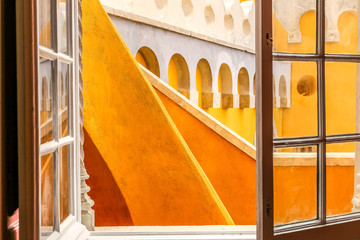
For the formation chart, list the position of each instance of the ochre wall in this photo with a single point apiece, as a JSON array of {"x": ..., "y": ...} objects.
[
  {"x": 110, "y": 206},
  {"x": 295, "y": 192},
  {"x": 160, "y": 179}
]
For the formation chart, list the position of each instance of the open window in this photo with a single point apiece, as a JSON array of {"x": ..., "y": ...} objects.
[
  {"x": 50, "y": 137},
  {"x": 331, "y": 137}
]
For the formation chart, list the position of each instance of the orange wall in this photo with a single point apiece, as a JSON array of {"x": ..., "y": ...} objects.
[
  {"x": 230, "y": 171},
  {"x": 110, "y": 206},
  {"x": 295, "y": 192}
]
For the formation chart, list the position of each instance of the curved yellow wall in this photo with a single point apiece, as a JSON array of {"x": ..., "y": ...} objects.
[{"x": 161, "y": 181}]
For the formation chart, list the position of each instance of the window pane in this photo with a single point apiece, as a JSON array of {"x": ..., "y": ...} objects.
[
  {"x": 294, "y": 26},
  {"x": 64, "y": 158},
  {"x": 63, "y": 25},
  {"x": 47, "y": 191},
  {"x": 341, "y": 97},
  {"x": 64, "y": 99},
  {"x": 341, "y": 160},
  {"x": 295, "y": 99},
  {"x": 341, "y": 27},
  {"x": 295, "y": 184},
  {"x": 45, "y": 24},
  {"x": 46, "y": 99}
]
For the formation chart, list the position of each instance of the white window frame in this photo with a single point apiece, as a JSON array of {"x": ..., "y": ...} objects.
[{"x": 28, "y": 52}]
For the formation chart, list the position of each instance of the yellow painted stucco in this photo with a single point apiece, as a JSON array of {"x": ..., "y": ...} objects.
[
  {"x": 155, "y": 169},
  {"x": 140, "y": 59},
  {"x": 172, "y": 74},
  {"x": 199, "y": 85},
  {"x": 161, "y": 181},
  {"x": 340, "y": 80}
]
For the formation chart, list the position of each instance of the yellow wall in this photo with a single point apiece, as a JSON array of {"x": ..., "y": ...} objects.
[
  {"x": 161, "y": 181},
  {"x": 199, "y": 85},
  {"x": 241, "y": 121},
  {"x": 172, "y": 74},
  {"x": 301, "y": 118}
]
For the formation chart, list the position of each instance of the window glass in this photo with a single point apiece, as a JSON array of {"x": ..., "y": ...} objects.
[
  {"x": 46, "y": 99},
  {"x": 341, "y": 97},
  {"x": 295, "y": 184},
  {"x": 45, "y": 24},
  {"x": 64, "y": 20},
  {"x": 294, "y": 26},
  {"x": 295, "y": 99},
  {"x": 341, "y": 32},
  {"x": 64, "y": 99},
  {"x": 64, "y": 163},
  {"x": 47, "y": 193},
  {"x": 55, "y": 108},
  {"x": 341, "y": 159}
]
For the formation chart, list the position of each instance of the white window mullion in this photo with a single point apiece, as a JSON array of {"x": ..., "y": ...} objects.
[
  {"x": 48, "y": 147},
  {"x": 56, "y": 191}
]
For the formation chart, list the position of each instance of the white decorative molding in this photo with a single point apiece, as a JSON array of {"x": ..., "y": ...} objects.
[
  {"x": 333, "y": 10},
  {"x": 222, "y": 20},
  {"x": 289, "y": 14},
  {"x": 87, "y": 213}
]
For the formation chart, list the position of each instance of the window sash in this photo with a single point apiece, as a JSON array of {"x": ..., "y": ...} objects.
[
  {"x": 323, "y": 224},
  {"x": 72, "y": 139}
]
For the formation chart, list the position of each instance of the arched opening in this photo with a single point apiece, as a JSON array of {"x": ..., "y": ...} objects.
[
  {"x": 203, "y": 81},
  {"x": 225, "y": 86},
  {"x": 243, "y": 81},
  {"x": 187, "y": 8},
  {"x": 246, "y": 27},
  {"x": 178, "y": 73},
  {"x": 282, "y": 87},
  {"x": 229, "y": 23},
  {"x": 225, "y": 79},
  {"x": 160, "y": 4},
  {"x": 146, "y": 57},
  {"x": 209, "y": 15}
]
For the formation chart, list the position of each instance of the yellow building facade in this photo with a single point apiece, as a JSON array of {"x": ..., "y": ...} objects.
[{"x": 167, "y": 159}]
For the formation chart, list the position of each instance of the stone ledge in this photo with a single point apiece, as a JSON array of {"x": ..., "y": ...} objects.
[
  {"x": 193, "y": 96},
  {"x": 155, "y": 23},
  {"x": 284, "y": 159}
]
